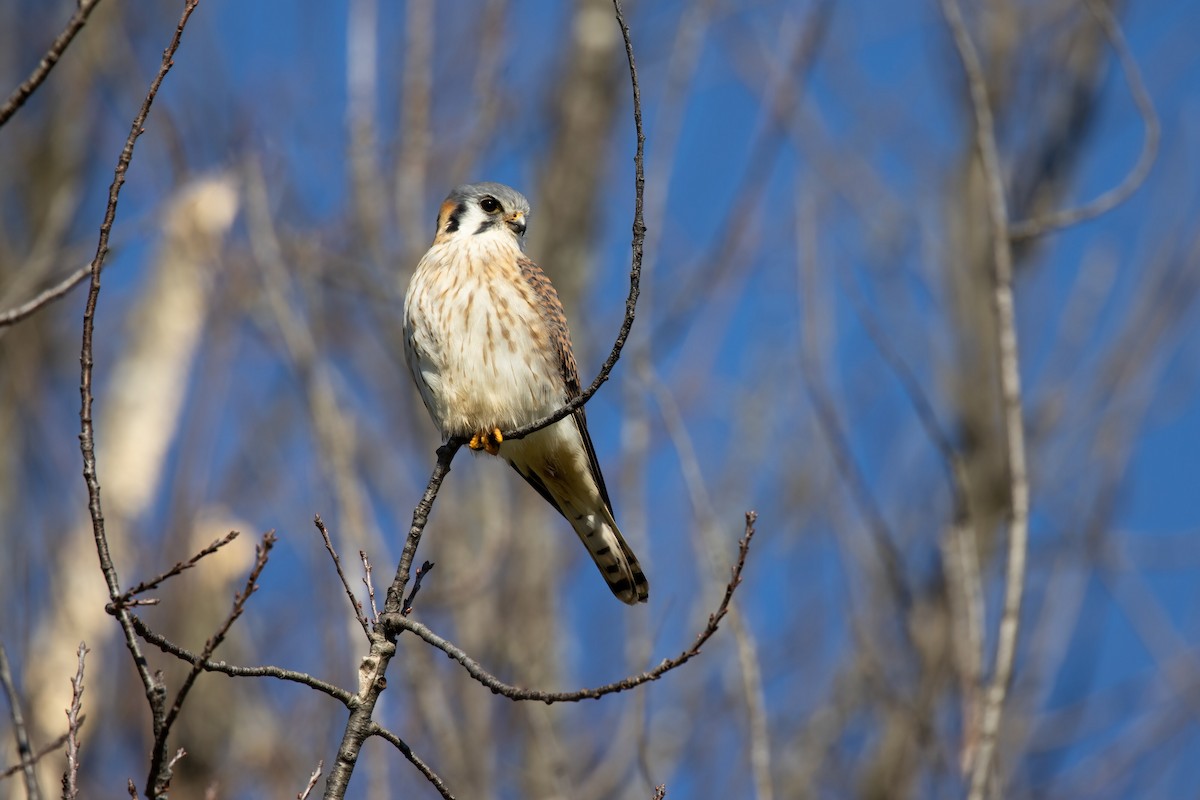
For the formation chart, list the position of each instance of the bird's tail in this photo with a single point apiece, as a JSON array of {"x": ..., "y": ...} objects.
[{"x": 614, "y": 559}]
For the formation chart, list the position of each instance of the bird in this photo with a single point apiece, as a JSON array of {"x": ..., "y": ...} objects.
[{"x": 487, "y": 343}]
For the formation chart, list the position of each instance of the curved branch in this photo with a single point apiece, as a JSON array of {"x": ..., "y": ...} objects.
[
  {"x": 167, "y": 646},
  {"x": 414, "y": 759},
  {"x": 1109, "y": 200},
  {"x": 498, "y": 686},
  {"x": 635, "y": 269},
  {"x": 1008, "y": 358}
]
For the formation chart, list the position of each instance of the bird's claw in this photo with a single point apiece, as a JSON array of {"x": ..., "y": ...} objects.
[{"x": 488, "y": 441}]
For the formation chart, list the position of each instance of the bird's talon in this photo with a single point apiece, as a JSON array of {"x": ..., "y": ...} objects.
[
  {"x": 476, "y": 442},
  {"x": 491, "y": 442}
]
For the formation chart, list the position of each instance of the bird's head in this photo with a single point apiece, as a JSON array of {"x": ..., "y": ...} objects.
[{"x": 476, "y": 209}]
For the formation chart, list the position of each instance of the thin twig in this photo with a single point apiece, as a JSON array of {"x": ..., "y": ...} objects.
[
  {"x": 160, "y": 770},
  {"x": 660, "y": 792},
  {"x": 366, "y": 562},
  {"x": 635, "y": 269},
  {"x": 1110, "y": 199},
  {"x": 312, "y": 781},
  {"x": 145, "y": 586},
  {"x": 18, "y": 313},
  {"x": 40, "y": 73},
  {"x": 337, "y": 565},
  {"x": 46, "y": 750},
  {"x": 74, "y": 723},
  {"x": 24, "y": 751},
  {"x": 517, "y": 693},
  {"x": 152, "y": 684},
  {"x": 422, "y": 571},
  {"x": 1010, "y": 390},
  {"x": 414, "y": 759},
  {"x": 235, "y": 671}
]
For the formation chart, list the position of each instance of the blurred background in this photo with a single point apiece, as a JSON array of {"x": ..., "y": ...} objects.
[{"x": 815, "y": 341}]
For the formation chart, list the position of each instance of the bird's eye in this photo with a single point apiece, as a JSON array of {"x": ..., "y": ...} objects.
[{"x": 489, "y": 204}]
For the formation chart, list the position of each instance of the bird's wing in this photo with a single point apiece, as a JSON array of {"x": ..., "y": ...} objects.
[{"x": 551, "y": 310}]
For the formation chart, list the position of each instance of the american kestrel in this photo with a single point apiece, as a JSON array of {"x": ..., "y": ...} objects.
[{"x": 487, "y": 343}]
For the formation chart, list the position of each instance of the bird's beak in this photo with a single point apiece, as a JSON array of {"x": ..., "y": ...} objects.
[{"x": 516, "y": 221}]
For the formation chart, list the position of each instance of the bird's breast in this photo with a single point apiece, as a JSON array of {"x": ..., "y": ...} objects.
[{"x": 476, "y": 342}]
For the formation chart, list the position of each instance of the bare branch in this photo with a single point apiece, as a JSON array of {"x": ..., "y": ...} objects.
[
  {"x": 152, "y": 684},
  {"x": 312, "y": 781},
  {"x": 166, "y": 646},
  {"x": 635, "y": 269},
  {"x": 517, "y": 693},
  {"x": 366, "y": 562},
  {"x": 24, "y": 751},
  {"x": 74, "y": 723},
  {"x": 145, "y": 586},
  {"x": 337, "y": 565},
  {"x": 1109, "y": 200},
  {"x": 422, "y": 571},
  {"x": 1010, "y": 390},
  {"x": 20, "y": 766},
  {"x": 18, "y": 313},
  {"x": 42, "y": 71},
  {"x": 414, "y": 759},
  {"x": 160, "y": 772}
]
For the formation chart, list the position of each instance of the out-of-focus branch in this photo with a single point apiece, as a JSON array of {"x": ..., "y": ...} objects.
[
  {"x": 414, "y": 151},
  {"x": 759, "y": 744},
  {"x": 40, "y": 73},
  {"x": 517, "y": 693},
  {"x": 18, "y": 313},
  {"x": 1135, "y": 177},
  {"x": 22, "y": 765},
  {"x": 24, "y": 751},
  {"x": 1010, "y": 390}
]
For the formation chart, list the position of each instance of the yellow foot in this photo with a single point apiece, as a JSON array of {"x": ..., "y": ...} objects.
[{"x": 487, "y": 440}]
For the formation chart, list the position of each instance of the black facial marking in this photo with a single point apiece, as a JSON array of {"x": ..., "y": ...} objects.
[
  {"x": 487, "y": 225},
  {"x": 452, "y": 222}
]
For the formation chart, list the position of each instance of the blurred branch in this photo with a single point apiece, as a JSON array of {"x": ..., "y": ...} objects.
[
  {"x": 24, "y": 751},
  {"x": 498, "y": 686},
  {"x": 24, "y": 764},
  {"x": 1129, "y": 184},
  {"x": 18, "y": 313},
  {"x": 1010, "y": 390},
  {"x": 39, "y": 74},
  {"x": 165, "y": 645},
  {"x": 828, "y": 420},
  {"x": 759, "y": 743}
]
